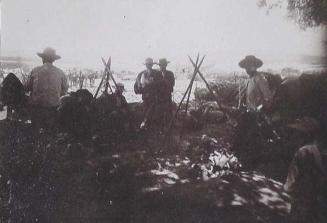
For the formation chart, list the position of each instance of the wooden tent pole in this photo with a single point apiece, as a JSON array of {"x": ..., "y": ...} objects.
[
  {"x": 103, "y": 77},
  {"x": 188, "y": 88},
  {"x": 192, "y": 81},
  {"x": 210, "y": 90},
  {"x": 110, "y": 74}
]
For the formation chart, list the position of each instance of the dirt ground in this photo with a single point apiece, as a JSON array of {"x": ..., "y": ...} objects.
[{"x": 147, "y": 178}]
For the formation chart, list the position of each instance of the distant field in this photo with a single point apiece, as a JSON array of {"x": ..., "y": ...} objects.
[{"x": 180, "y": 88}]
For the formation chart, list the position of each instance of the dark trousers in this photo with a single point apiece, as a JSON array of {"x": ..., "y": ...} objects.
[{"x": 165, "y": 112}]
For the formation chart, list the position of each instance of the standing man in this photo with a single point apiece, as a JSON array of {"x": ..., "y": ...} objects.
[
  {"x": 252, "y": 124},
  {"x": 46, "y": 84},
  {"x": 167, "y": 90},
  {"x": 147, "y": 83}
]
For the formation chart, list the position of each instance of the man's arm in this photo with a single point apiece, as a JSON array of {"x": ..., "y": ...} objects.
[
  {"x": 137, "y": 85},
  {"x": 125, "y": 104},
  {"x": 172, "y": 81},
  {"x": 266, "y": 92}
]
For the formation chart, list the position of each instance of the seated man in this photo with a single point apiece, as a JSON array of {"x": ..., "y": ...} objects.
[
  {"x": 307, "y": 172},
  {"x": 74, "y": 114},
  {"x": 120, "y": 114},
  {"x": 120, "y": 100}
]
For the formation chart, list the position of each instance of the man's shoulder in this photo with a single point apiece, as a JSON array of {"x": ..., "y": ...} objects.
[
  {"x": 142, "y": 72},
  {"x": 45, "y": 67},
  {"x": 38, "y": 68},
  {"x": 169, "y": 72},
  {"x": 260, "y": 77},
  {"x": 307, "y": 149},
  {"x": 308, "y": 146},
  {"x": 58, "y": 70}
]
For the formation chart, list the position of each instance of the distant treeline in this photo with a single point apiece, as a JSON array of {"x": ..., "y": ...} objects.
[{"x": 14, "y": 65}]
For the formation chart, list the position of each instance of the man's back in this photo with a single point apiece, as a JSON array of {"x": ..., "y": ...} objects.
[
  {"x": 47, "y": 83},
  {"x": 169, "y": 80}
]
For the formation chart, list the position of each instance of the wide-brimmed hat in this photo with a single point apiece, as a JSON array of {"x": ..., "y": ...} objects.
[
  {"x": 148, "y": 61},
  {"x": 306, "y": 124},
  {"x": 163, "y": 61},
  {"x": 120, "y": 85},
  {"x": 250, "y": 61},
  {"x": 49, "y": 54}
]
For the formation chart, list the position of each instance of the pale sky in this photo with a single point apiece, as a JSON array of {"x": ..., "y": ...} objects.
[{"x": 130, "y": 30}]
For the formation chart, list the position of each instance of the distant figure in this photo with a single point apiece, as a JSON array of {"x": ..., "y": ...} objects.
[
  {"x": 46, "y": 84},
  {"x": 306, "y": 179},
  {"x": 2, "y": 75},
  {"x": 91, "y": 78},
  {"x": 147, "y": 83},
  {"x": 71, "y": 79},
  {"x": 258, "y": 93},
  {"x": 167, "y": 90}
]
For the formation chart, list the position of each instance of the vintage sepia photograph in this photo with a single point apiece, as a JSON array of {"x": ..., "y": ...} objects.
[{"x": 163, "y": 111}]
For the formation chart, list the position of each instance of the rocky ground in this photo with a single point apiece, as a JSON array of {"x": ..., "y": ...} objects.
[{"x": 189, "y": 177}]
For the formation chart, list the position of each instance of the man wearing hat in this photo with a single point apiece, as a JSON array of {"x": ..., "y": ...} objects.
[
  {"x": 306, "y": 177},
  {"x": 120, "y": 115},
  {"x": 147, "y": 83},
  {"x": 47, "y": 84},
  {"x": 167, "y": 90},
  {"x": 258, "y": 93},
  {"x": 121, "y": 102},
  {"x": 258, "y": 98}
]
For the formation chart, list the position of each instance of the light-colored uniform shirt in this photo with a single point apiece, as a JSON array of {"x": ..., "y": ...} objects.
[
  {"x": 258, "y": 92},
  {"x": 47, "y": 83}
]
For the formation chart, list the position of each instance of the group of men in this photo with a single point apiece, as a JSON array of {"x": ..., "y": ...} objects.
[
  {"x": 76, "y": 80},
  {"x": 156, "y": 87},
  {"x": 48, "y": 83}
]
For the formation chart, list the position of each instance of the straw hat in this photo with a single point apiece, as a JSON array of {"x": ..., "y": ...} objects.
[
  {"x": 249, "y": 61},
  {"x": 49, "y": 53}
]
